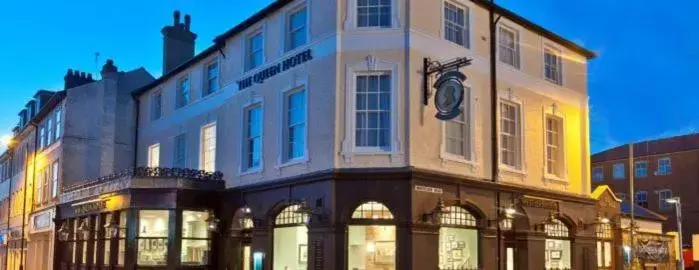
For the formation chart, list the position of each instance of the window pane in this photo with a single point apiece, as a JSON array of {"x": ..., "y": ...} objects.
[
  {"x": 152, "y": 251},
  {"x": 557, "y": 254},
  {"x": 458, "y": 248},
  {"x": 290, "y": 247},
  {"x": 153, "y": 223},
  {"x": 297, "y": 29},
  {"x": 195, "y": 252},
  {"x": 194, "y": 224},
  {"x": 208, "y": 148},
  {"x": 371, "y": 247},
  {"x": 122, "y": 252}
]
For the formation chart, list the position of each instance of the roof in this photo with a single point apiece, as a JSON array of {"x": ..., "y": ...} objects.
[
  {"x": 599, "y": 190},
  {"x": 640, "y": 212},
  {"x": 651, "y": 147},
  {"x": 219, "y": 41}
]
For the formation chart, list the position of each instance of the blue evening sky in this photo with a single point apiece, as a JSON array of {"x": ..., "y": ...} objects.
[{"x": 639, "y": 86}]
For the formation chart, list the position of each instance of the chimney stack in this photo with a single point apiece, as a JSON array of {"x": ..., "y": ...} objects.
[
  {"x": 108, "y": 68},
  {"x": 178, "y": 43},
  {"x": 76, "y": 78}
]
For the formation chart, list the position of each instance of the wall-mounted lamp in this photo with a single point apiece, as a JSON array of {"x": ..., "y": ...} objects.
[
  {"x": 212, "y": 222},
  {"x": 436, "y": 214},
  {"x": 63, "y": 232}
]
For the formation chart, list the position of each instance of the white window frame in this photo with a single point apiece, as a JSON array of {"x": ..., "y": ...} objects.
[
  {"x": 49, "y": 131},
  {"x": 669, "y": 166},
  {"x": 352, "y": 23},
  {"x": 59, "y": 122},
  {"x": 152, "y": 110},
  {"x": 177, "y": 91},
  {"x": 371, "y": 66},
  {"x": 54, "y": 178},
  {"x": 623, "y": 171},
  {"x": 663, "y": 205},
  {"x": 558, "y": 53},
  {"x": 522, "y": 161},
  {"x": 594, "y": 173},
  {"x": 205, "y": 77},
  {"x": 560, "y": 117},
  {"x": 468, "y": 101},
  {"x": 247, "y": 53},
  {"x": 635, "y": 168},
  {"x": 174, "y": 150},
  {"x": 468, "y": 20},
  {"x": 202, "y": 144},
  {"x": 287, "y": 22},
  {"x": 518, "y": 48},
  {"x": 301, "y": 84},
  {"x": 153, "y": 162},
  {"x": 244, "y": 169}
]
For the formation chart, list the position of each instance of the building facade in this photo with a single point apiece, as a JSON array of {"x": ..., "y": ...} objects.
[
  {"x": 301, "y": 140},
  {"x": 663, "y": 168}
]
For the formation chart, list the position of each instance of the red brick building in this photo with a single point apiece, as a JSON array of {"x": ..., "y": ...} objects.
[{"x": 662, "y": 168}]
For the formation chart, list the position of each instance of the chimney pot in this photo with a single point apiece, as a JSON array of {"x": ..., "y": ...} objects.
[
  {"x": 187, "y": 21},
  {"x": 176, "y": 14},
  {"x": 89, "y": 77}
]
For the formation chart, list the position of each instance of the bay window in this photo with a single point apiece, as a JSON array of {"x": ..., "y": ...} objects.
[{"x": 153, "y": 228}]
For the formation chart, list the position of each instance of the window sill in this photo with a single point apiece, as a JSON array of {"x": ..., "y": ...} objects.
[
  {"x": 559, "y": 84},
  {"x": 292, "y": 162},
  {"x": 511, "y": 170},
  {"x": 555, "y": 179},
  {"x": 458, "y": 159},
  {"x": 250, "y": 171}
]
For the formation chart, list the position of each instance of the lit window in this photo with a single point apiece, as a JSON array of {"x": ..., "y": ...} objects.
[
  {"x": 208, "y": 148},
  {"x": 290, "y": 239},
  {"x": 196, "y": 242},
  {"x": 295, "y": 129},
  {"x": 156, "y": 106},
  {"x": 254, "y": 56},
  {"x": 558, "y": 249},
  {"x": 297, "y": 28},
  {"x": 457, "y": 131},
  {"x": 154, "y": 156},
  {"x": 107, "y": 241},
  {"x": 211, "y": 78},
  {"x": 179, "y": 152},
  {"x": 663, "y": 195},
  {"x": 59, "y": 123},
  {"x": 456, "y": 27},
  {"x": 598, "y": 174},
  {"x": 42, "y": 137},
  {"x": 122, "y": 239},
  {"x": 604, "y": 246},
  {"x": 373, "y": 112},
  {"x": 54, "y": 179},
  {"x": 553, "y": 65},
  {"x": 619, "y": 171},
  {"x": 253, "y": 138},
  {"x": 458, "y": 240},
  {"x": 508, "y": 41},
  {"x": 46, "y": 181},
  {"x": 374, "y": 13},
  {"x": 49, "y": 131},
  {"x": 152, "y": 237},
  {"x": 183, "y": 92},
  {"x": 554, "y": 146},
  {"x": 510, "y": 135},
  {"x": 642, "y": 198},
  {"x": 664, "y": 166},
  {"x": 641, "y": 169},
  {"x": 371, "y": 239},
  {"x": 40, "y": 187}
]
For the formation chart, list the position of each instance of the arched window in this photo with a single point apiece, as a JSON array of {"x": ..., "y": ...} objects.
[
  {"x": 557, "y": 245},
  {"x": 604, "y": 245},
  {"x": 458, "y": 239},
  {"x": 290, "y": 239},
  {"x": 372, "y": 238}
]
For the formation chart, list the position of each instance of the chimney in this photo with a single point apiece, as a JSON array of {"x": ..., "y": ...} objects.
[
  {"x": 178, "y": 43},
  {"x": 108, "y": 68},
  {"x": 76, "y": 78}
]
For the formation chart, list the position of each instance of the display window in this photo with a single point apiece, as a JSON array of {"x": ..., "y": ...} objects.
[
  {"x": 153, "y": 228},
  {"x": 372, "y": 238},
  {"x": 196, "y": 242},
  {"x": 458, "y": 240},
  {"x": 291, "y": 239},
  {"x": 557, "y": 250}
]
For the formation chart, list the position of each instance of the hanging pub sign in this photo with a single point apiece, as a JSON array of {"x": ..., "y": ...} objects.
[
  {"x": 449, "y": 86},
  {"x": 275, "y": 69},
  {"x": 652, "y": 251}
]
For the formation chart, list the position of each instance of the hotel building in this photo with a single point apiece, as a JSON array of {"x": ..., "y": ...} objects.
[{"x": 301, "y": 140}]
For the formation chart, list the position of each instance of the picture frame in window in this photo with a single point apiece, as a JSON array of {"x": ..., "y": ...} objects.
[
  {"x": 556, "y": 254},
  {"x": 303, "y": 253},
  {"x": 385, "y": 252}
]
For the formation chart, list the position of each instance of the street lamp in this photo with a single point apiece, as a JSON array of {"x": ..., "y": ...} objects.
[{"x": 678, "y": 212}]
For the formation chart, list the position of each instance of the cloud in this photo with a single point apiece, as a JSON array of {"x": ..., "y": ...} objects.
[{"x": 687, "y": 129}]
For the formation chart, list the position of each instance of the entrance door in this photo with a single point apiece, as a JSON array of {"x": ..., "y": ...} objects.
[
  {"x": 246, "y": 257},
  {"x": 510, "y": 255}
]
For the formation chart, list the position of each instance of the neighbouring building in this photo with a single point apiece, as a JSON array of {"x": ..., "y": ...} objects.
[
  {"x": 300, "y": 140},
  {"x": 62, "y": 138},
  {"x": 662, "y": 169}
]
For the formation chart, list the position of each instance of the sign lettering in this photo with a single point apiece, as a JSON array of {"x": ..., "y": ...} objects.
[
  {"x": 539, "y": 203},
  {"x": 429, "y": 189},
  {"x": 89, "y": 207},
  {"x": 275, "y": 69}
]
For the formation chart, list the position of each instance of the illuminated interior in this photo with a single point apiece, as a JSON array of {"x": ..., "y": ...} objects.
[
  {"x": 152, "y": 237},
  {"x": 557, "y": 250},
  {"x": 372, "y": 246},
  {"x": 458, "y": 240},
  {"x": 195, "y": 238},
  {"x": 290, "y": 239}
]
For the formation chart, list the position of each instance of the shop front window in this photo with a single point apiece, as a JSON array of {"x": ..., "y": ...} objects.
[
  {"x": 106, "y": 241},
  {"x": 604, "y": 246},
  {"x": 557, "y": 251},
  {"x": 243, "y": 224},
  {"x": 458, "y": 240},
  {"x": 122, "y": 238},
  {"x": 152, "y": 237},
  {"x": 195, "y": 238},
  {"x": 372, "y": 238},
  {"x": 290, "y": 239}
]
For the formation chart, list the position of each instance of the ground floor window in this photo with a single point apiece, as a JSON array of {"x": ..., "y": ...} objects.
[
  {"x": 196, "y": 242},
  {"x": 604, "y": 246},
  {"x": 372, "y": 238},
  {"x": 458, "y": 240},
  {"x": 557, "y": 250},
  {"x": 291, "y": 239},
  {"x": 152, "y": 237}
]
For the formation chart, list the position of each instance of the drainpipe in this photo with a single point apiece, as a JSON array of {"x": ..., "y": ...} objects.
[
  {"x": 495, "y": 161},
  {"x": 9, "y": 201},
  {"x": 24, "y": 206}
]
